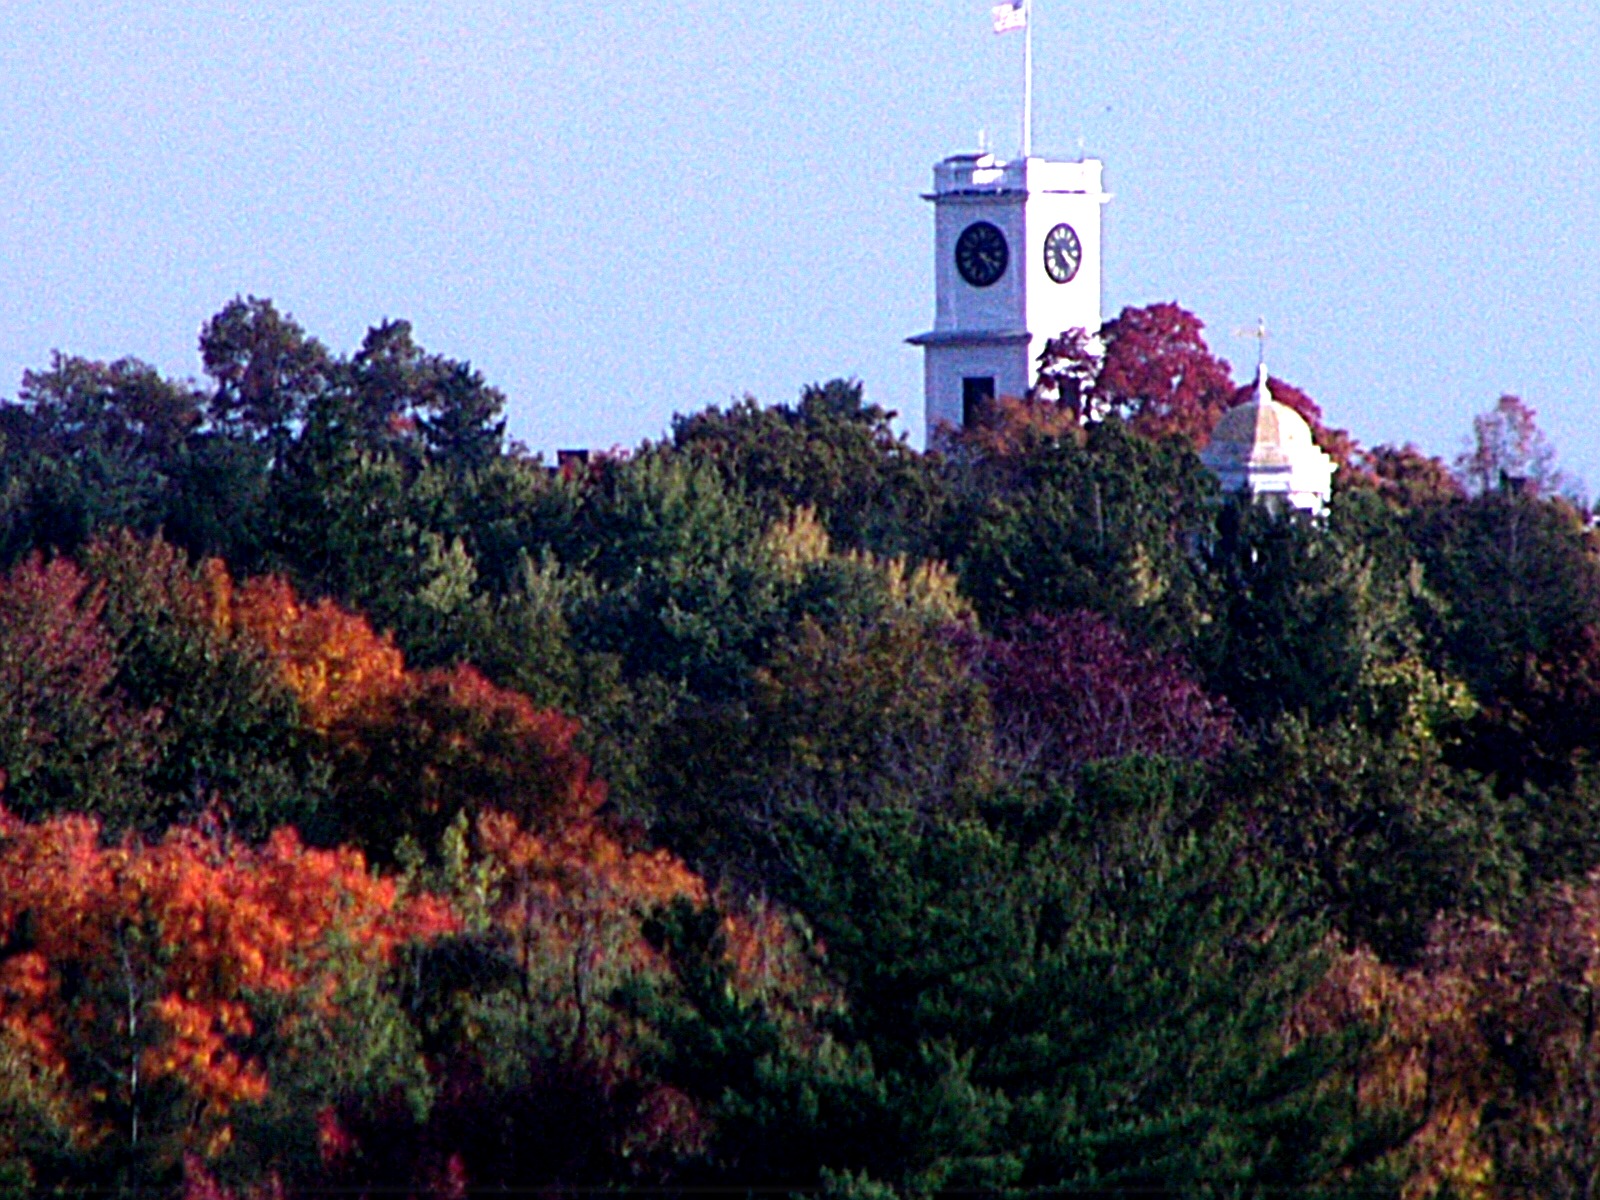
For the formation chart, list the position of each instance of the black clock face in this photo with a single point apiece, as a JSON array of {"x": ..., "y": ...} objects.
[
  {"x": 982, "y": 254},
  {"x": 1063, "y": 253}
]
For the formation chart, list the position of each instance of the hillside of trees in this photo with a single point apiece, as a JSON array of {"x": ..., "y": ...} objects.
[{"x": 776, "y": 808}]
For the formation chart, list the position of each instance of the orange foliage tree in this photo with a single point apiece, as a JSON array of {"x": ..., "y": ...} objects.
[
  {"x": 172, "y": 986},
  {"x": 562, "y": 1049},
  {"x": 338, "y": 667},
  {"x": 410, "y": 749},
  {"x": 570, "y": 906},
  {"x": 496, "y": 794},
  {"x": 138, "y": 972},
  {"x": 1488, "y": 1050}
]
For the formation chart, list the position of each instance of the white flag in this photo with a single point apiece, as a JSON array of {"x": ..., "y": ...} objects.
[{"x": 1010, "y": 16}]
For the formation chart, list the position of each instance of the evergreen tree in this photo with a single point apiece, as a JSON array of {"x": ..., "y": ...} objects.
[{"x": 1077, "y": 992}]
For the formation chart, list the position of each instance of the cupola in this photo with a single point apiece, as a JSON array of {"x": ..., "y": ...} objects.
[{"x": 1266, "y": 449}]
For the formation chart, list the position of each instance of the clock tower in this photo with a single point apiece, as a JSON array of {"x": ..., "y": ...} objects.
[{"x": 1017, "y": 261}]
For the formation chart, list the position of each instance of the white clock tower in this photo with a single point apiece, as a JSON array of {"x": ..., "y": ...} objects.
[{"x": 1017, "y": 254}]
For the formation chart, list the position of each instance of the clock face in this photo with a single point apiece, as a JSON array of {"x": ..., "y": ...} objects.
[
  {"x": 1063, "y": 253},
  {"x": 982, "y": 254}
]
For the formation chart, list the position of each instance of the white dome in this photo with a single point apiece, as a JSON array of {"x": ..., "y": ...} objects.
[{"x": 1266, "y": 448}]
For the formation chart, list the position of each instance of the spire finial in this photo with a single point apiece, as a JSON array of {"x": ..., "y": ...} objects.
[{"x": 1260, "y": 335}]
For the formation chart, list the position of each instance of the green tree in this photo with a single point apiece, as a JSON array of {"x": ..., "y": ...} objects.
[
  {"x": 345, "y": 522},
  {"x": 402, "y": 398},
  {"x": 1305, "y": 608},
  {"x": 855, "y": 718},
  {"x": 231, "y": 732},
  {"x": 463, "y": 425},
  {"x": 1106, "y": 520},
  {"x": 514, "y": 513},
  {"x": 1385, "y": 833},
  {"x": 866, "y": 700},
  {"x": 1074, "y": 992},
  {"x": 684, "y": 589},
  {"x": 832, "y": 453},
  {"x": 222, "y": 506},
  {"x": 266, "y": 372},
  {"x": 91, "y": 446},
  {"x": 1516, "y": 572}
]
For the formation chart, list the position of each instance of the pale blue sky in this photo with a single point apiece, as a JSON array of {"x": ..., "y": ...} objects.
[{"x": 621, "y": 210}]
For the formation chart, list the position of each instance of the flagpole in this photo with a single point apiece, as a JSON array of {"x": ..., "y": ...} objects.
[{"x": 1027, "y": 84}]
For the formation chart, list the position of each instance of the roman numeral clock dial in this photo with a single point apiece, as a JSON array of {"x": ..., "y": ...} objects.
[
  {"x": 1063, "y": 253},
  {"x": 982, "y": 254}
]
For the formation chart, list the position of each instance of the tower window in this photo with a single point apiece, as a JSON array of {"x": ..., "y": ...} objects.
[{"x": 976, "y": 392}]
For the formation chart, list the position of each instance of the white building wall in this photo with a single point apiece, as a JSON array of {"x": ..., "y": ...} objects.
[
  {"x": 1001, "y": 330},
  {"x": 959, "y": 305},
  {"x": 1067, "y": 193},
  {"x": 945, "y": 367}
]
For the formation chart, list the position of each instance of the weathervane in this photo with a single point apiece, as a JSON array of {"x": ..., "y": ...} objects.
[{"x": 1260, "y": 335}]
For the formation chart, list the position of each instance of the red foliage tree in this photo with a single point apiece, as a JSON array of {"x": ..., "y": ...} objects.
[
  {"x": 68, "y": 738},
  {"x": 411, "y": 749},
  {"x": 1410, "y": 478},
  {"x": 1509, "y": 450},
  {"x": 1158, "y": 372},
  {"x": 1154, "y": 369},
  {"x": 450, "y": 741},
  {"x": 1069, "y": 690}
]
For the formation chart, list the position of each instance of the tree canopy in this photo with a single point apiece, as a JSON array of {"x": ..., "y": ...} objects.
[{"x": 777, "y": 808}]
